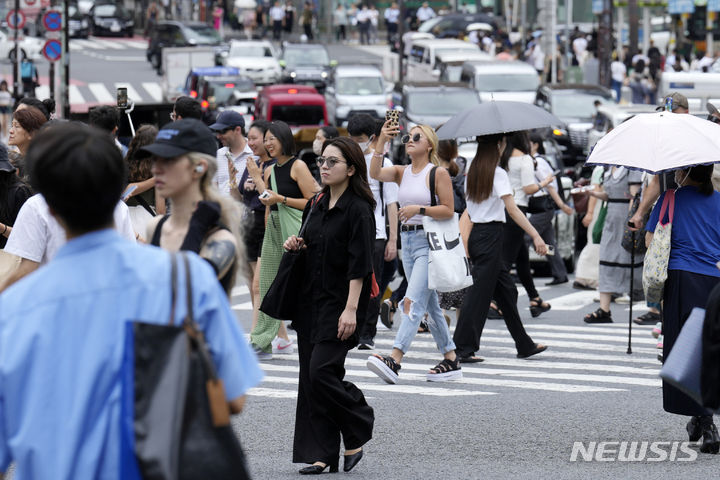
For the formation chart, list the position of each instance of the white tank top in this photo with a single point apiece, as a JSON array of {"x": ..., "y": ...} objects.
[{"x": 414, "y": 191}]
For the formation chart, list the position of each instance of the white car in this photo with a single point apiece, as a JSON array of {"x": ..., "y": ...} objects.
[
  {"x": 30, "y": 47},
  {"x": 256, "y": 59},
  {"x": 355, "y": 89}
]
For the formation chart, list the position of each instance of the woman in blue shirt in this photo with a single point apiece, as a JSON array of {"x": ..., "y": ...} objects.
[{"x": 695, "y": 249}]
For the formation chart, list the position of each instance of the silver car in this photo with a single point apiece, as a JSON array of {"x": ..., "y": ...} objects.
[{"x": 355, "y": 89}]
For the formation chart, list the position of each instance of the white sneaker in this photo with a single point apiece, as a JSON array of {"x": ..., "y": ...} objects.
[{"x": 282, "y": 346}]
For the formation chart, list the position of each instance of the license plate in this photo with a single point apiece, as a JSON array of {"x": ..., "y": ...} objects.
[{"x": 115, "y": 27}]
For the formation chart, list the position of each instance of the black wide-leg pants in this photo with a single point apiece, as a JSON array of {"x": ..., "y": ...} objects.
[
  {"x": 491, "y": 279},
  {"x": 327, "y": 406}
]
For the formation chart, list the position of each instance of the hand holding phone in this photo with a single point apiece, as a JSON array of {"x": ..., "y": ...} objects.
[
  {"x": 556, "y": 172},
  {"x": 126, "y": 195},
  {"x": 550, "y": 250},
  {"x": 394, "y": 117},
  {"x": 122, "y": 97},
  {"x": 264, "y": 195}
]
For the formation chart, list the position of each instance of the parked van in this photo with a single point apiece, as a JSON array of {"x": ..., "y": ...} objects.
[
  {"x": 502, "y": 80},
  {"x": 699, "y": 88},
  {"x": 297, "y": 105},
  {"x": 422, "y": 61}
]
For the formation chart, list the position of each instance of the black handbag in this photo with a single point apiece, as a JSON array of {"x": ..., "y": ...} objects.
[
  {"x": 282, "y": 298},
  {"x": 540, "y": 204},
  {"x": 181, "y": 419},
  {"x": 639, "y": 238}
]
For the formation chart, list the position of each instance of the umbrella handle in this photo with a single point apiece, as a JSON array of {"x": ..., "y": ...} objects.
[{"x": 632, "y": 283}]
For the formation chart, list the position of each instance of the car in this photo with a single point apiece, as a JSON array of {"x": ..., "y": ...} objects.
[
  {"x": 255, "y": 58},
  {"x": 355, "y": 89},
  {"x": 451, "y": 25},
  {"x": 428, "y": 103},
  {"x": 111, "y": 19},
  {"x": 297, "y": 105},
  {"x": 422, "y": 61},
  {"x": 30, "y": 47},
  {"x": 226, "y": 91},
  {"x": 79, "y": 22},
  {"x": 610, "y": 116},
  {"x": 574, "y": 105},
  {"x": 514, "y": 81},
  {"x": 171, "y": 33},
  {"x": 306, "y": 63},
  {"x": 449, "y": 64}
]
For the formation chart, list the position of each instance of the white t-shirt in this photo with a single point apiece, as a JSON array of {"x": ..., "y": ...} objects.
[
  {"x": 222, "y": 176},
  {"x": 425, "y": 13},
  {"x": 579, "y": 45},
  {"x": 363, "y": 15},
  {"x": 392, "y": 14},
  {"x": 277, "y": 14},
  {"x": 492, "y": 209},
  {"x": 37, "y": 236},
  {"x": 390, "y": 195},
  {"x": 521, "y": 171},
  {"x": 618, "y": 70},
  {"x": 543, "y": 170}
]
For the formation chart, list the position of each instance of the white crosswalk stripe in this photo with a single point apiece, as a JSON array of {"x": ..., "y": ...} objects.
[
  {"x": 95, "y": 43},
  {"x": 102, "y": 94},
  {"x": 580, "y": 359}
]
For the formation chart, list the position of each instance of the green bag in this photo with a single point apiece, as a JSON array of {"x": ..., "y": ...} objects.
[{"x": 599, "y": 223}]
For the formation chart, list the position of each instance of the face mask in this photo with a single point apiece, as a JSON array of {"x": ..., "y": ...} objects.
[
  {"x": 317, "y": 146},
  {"x": 364, "y": 145}
]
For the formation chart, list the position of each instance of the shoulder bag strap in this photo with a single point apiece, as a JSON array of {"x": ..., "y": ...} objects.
[
  {"x": 668, "y": 204},
  {"x": 273, "y": 183},
  {"x": 143, "y": 203},
  {"x": 313, "y": 202},
  {"x": 672, "y": 205},
  {"x": 173, "y": 286},
  {"x": 432, "y": 186}
]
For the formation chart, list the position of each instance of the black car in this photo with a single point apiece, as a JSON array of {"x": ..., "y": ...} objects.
[
  {"x": 170, "y": 33},
  {"x": 111, "y": 19},
  {"x": 79, "y": 23},
  {"x": 307, "y": 64},
  {"x": 575, "y": 106},
  {"x": 450, "y": 26}
]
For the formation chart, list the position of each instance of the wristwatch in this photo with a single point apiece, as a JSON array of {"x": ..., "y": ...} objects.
[{"x": 422, "y": 210}]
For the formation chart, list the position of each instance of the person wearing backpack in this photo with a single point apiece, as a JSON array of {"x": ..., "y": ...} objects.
[{"x": 29, "y": 77}]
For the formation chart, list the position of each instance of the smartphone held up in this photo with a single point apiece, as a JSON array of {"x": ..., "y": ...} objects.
[{"x": 122, "y": 97}]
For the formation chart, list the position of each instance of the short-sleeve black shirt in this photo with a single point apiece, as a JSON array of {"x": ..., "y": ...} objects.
[
  {"x": 17, "y": 194},
  {"x": 340, "y": 244}
]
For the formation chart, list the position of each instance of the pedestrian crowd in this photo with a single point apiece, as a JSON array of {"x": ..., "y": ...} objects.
[{"x": 92, "y": 231}]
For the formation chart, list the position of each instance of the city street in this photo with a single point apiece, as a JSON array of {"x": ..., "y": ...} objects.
[{"x": 507, "y": 418}]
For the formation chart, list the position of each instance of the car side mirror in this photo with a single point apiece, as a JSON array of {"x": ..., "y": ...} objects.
[{"x": 333, "y": 63}]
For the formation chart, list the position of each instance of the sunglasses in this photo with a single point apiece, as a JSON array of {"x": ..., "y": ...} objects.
[
  {"x": 330, "y": 161},
  {"x": 415, "y": 138}
]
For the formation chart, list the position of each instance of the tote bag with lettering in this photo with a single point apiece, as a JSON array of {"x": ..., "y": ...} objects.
[{"x": 448, "y": 267}]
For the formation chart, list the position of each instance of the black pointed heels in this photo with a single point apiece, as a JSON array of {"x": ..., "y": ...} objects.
[
  {"x": 318, "y": 469},
  {"x": 352, "y": 460}
]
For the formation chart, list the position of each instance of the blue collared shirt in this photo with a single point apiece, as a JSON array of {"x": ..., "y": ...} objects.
[{"x": 61, "y": 347}]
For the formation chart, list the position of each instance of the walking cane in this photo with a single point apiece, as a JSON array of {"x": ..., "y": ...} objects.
[{"x": 632, "y": 284}]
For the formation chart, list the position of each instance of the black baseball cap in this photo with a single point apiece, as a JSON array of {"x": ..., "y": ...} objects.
[
  {"x": 5, "y": 165},
  {"x": 181, "y": 137},
  {"x": 228, "y": 119}
]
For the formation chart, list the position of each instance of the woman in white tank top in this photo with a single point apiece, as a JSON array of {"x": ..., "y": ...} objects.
[{"x": 414, "y": 198}]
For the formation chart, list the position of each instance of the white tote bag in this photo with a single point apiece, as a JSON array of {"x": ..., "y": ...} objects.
[
  {"x": 448, "y": 267},
  {"x": 658, "y": 254}
]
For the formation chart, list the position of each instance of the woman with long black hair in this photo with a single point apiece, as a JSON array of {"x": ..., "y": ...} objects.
[
  {"x": 489, "y": 196},
  {"x": 516, "y": 160},
  {"x": 339, "y": 237}
]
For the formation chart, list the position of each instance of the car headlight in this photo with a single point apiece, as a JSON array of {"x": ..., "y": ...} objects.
[
  {"x": 559, "y": 132},
  {"x": 293, "y": 74},
  {"x": 323, "y": 74}
]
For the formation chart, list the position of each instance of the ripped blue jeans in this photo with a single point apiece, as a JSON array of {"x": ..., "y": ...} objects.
[{"x": 415, "y": 262}]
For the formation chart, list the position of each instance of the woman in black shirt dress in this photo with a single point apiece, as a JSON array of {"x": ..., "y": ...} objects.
[{"x": 339, "y": 238}]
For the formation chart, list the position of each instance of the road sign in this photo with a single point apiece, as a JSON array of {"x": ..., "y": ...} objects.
[
  {"x": 52, "y": 20},
  {"x": 15, "y": 19},
  {"x": 52, "y": 50},
  {"x": 680, "y": 6}
]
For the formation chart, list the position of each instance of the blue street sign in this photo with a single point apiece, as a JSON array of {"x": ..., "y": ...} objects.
[
  {"x": 52, "y": 50},
  {"x": 52, "y": 21},
  {"x": 713, "y": 6},
  {"x": 597, "y": 6},
  {"x": 680, "y": 6},
  {"x": 15, "y": 19}
]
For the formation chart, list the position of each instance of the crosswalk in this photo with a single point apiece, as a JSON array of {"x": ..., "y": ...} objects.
[
  {"x": 98, "y": 93},
  {"x": 580, "y": 359},
  {"x": 96, "y": 43}
]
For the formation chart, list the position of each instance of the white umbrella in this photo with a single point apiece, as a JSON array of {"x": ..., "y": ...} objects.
[{"x": 657, "y": 142}]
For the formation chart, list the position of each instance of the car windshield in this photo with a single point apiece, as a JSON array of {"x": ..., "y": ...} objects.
[
  {"x": 203, "y": 34},
  {"x": 508, "y": 82},
  {"x": 299, "y": 114},
  {"x": 450, "y": 73},
  {"x": 306, "y": 56},
  {"x": 441, "y": 103},
  {"x": 427, "y": 26},
  {"x": 222, "y": 90},
  {"x": 575, "y": 104},
  {"x": 108, "y": 10},
  {"x": 245, "y": 50},
  {"x": 360, "y": 86}
]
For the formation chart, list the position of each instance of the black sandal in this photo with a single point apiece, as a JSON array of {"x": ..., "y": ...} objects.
[
  {"x": 537, "y": 306},
  {"x": 650, "y": 318},
  {"x": 423, "y": 328},
  {"x": 494, "y": 312},
  {"x": 598, "y": 316}
]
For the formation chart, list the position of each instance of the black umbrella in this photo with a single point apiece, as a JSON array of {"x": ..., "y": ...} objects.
[{"x": 496, "y": 117}]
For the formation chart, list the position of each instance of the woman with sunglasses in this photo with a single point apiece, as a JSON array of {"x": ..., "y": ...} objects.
[
  {"x": 339, "y": 236},
  {"x": 414, "y": 198},
  {"x": 489, "y": 196},
  {"x": 288, "y": 186}
]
